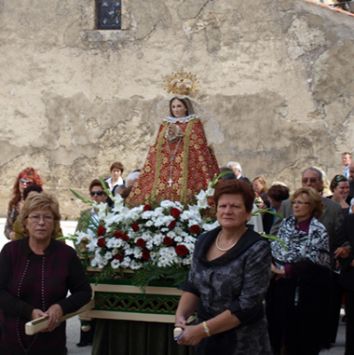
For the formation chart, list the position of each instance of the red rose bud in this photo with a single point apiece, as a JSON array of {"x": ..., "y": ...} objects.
[
  {"x": 121, "y": 235},
  {"x": 172, "y": 225},
  {"x": 140, "y": 243},
  {"x": 146, "y": 255},
  {"x": 195, "y": 229},
  {"x": 101, "y": 230},
  {"x": 135, "y": 227},
  {"x": 167, "y": 241},
  {"x": 181, "y": 250},
  {"x": 175, "y": 212},
  {"x": 101, "y": 242},
  {"x": 147, "y": 208},
  {"x": 119, "y": 257}
]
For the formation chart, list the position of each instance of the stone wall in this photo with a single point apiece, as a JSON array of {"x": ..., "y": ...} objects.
[{"x": 276, "y": 86}]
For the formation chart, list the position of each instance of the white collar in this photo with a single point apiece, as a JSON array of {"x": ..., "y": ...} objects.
[{"x": 171, "y": 119}]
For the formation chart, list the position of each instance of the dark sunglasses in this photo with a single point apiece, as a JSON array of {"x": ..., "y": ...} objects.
[{"x": 96, "y": 193}]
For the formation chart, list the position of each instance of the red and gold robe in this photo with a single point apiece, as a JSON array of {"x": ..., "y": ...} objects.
[{"x": 175, "y": 170}]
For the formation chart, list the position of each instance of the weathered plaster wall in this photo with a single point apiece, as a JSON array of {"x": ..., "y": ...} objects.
[{"x": 276, "y": 86}]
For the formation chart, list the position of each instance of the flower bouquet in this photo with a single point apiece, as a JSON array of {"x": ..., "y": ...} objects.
[{"x": 155, "y": 242}]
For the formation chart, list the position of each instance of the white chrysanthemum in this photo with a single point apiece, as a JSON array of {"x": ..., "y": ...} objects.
[
  {"x": 115, "y": 264},
  {"x": 202, "y": 201},
  {"x": 137, "y": 253},
  {"x": 91, "y": 246},
  {"x": 82, "y": 237},
  {"x": 101, "y": 210},
  {"x": 126, "y": 263},
  {"x": 134, "y": 265},
  {"x": 115, "y": 243},
  {"x": 210, "y": 226},
  {"x": 108, "y": 255},
  {"x": 166, "y": 257},
  {"x": 157, "y": 239}
]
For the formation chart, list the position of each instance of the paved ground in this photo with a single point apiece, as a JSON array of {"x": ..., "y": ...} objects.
[{"x": 73, "y": 325}]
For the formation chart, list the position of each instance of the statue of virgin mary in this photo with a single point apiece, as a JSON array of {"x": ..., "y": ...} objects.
[{"x": 180, "y": 163}]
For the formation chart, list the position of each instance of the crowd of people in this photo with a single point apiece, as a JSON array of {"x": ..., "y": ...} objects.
[{"x": 303, "y": 273}]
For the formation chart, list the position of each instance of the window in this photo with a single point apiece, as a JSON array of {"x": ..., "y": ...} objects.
[{"x": 108, "y": 14}]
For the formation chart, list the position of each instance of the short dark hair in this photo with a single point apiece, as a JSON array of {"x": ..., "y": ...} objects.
[
  {"x": 336, "y": 180},
  {"x": 278, "y": 192},
  {"x": 96, "y": 182},
  {"x": 117, "y": 165},
  {"x": 227, "y": 173},
  {"x": 235, "y": 187}
]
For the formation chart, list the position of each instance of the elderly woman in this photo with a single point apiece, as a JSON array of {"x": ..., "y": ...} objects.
[
  {"x": 299, "y": 291},
  {"x": 227, "y": 282},
  {"x": 36, "y": 274},
  {"x": 24, "y": 179}
]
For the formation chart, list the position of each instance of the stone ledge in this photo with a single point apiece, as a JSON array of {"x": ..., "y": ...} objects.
[{"x": 102, "y": 36}]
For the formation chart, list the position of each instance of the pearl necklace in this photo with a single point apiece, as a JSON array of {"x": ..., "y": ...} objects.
[{"x": 218, "y": 246}]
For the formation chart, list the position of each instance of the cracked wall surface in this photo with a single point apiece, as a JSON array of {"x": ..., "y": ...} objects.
[{"x": 275, "y": 77}]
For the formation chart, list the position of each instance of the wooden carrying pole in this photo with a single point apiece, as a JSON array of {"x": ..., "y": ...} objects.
[{"x": 41, "y": 323}]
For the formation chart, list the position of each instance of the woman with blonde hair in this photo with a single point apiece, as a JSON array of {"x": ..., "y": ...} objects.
[
  {"x": 298, "y": 296},
  {"x": 36, "y": 274}
]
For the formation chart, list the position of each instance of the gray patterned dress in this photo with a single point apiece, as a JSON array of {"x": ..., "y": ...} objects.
[{"x": 236, "y": 281}]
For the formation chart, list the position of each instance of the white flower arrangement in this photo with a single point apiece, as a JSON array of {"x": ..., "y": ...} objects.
[{"x": 123, "y": 238}]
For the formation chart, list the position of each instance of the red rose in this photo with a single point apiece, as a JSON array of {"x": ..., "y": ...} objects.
[
  {"x": 147, "y": 207},
  {"x": 172, "y": 225},
  {"x": 101, "y": 242},
  {"x": 181, "y": 250},
  {"x": 146, "y": 255},
  {"x": 175, "y": 212},
  {"x": 121, "y": 235},
  {"x": 140, "y": 243},
  {"x": 119, "y": 257},
  {"x": 101, "y": 230},
  {"x": 195, "y": 229},
  {"x": 135, "y": 226},
  {"x": 167, "y": 240}
]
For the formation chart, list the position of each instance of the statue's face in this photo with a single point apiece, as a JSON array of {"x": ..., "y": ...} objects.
[{"x": 178, "y": 109}]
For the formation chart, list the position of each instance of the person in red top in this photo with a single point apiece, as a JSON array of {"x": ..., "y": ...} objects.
[{"x": 24, "y": 179}]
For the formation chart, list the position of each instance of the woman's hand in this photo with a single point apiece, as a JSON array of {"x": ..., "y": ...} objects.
[
  {"x": 279, "y": 273},
  {"x": 180, "y": 321},
  {"x": 54, "y": 313},
  {"x": 342, "y": 252},
  {"x": 37, "y": 313},
  {"x": 192, "y": 335}
]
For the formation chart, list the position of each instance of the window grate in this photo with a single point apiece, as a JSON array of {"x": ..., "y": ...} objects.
[{"x": 108, "y": 14}]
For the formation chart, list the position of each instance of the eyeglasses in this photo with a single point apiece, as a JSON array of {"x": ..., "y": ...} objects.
[
  {"x": 36, "y": 218},
  {"x": 26, "y": 181},
  {"x": 297, "y": 202},
  {"x": 96, "y": 193},
  {"x": 312, "y": 180}
]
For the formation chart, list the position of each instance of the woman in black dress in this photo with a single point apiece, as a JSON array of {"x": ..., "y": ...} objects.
[{"x": 227, "y": 282}]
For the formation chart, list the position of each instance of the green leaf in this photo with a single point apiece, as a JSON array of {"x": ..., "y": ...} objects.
[{"x": 81, "y": 197}]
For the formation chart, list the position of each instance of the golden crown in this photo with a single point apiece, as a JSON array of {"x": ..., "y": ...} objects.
[{"x": 181, "y": 83}]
